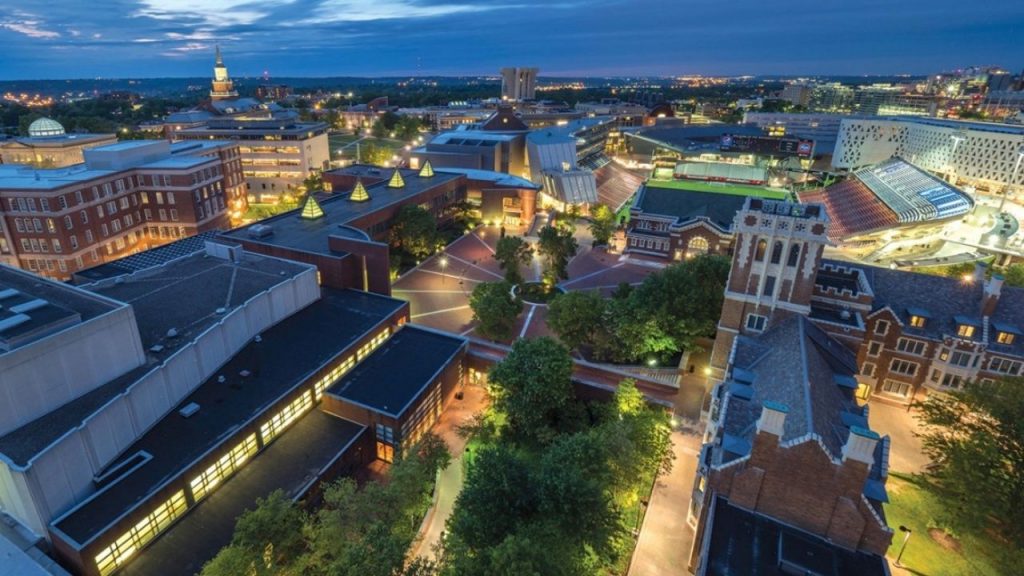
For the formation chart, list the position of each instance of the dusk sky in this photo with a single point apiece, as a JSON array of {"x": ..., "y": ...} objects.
[{"x": 148, "y": 38}]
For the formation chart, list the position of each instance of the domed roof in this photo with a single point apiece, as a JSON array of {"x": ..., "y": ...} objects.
[{"x": 45, "y": 127}]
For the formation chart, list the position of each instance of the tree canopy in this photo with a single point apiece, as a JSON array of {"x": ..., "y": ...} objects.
[
  {"x": 975, "y": 437},
  {"x": 556, "y": 246},
  {"x": 414, "y": 231},
  {"x": 512, "y": 252},
  {"x": 531, "y": 386},
  {"x": 602, "y": 223},
  {"x": 495, "y": 309}
]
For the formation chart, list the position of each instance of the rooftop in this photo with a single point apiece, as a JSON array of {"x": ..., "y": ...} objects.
[
  {"x": 745, "y": 542},
  {"x": 288, "y": 464},
  {"x": 616, "y": 185},
  {"x": 497, "y": 178},
  {"x": 853, "y": 209},
  {"x": 377, "y": 383},
  {"x": 147, "y": 259},
  {"x": 31, "y": 307},
  {"x": 188, "y": 295},
  {"x": 286, "y": 356},
  {"x": 689, "y": 203},
  {"x": 289, "y": 230},
  {"x": 913, "y": 194}
]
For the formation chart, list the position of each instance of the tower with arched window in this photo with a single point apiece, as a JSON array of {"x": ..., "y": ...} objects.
[{"x": 778, "y": 247}]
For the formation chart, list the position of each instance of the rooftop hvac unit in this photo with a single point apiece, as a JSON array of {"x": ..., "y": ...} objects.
[
  {"x": 260, "y": 230},
  {"x": 189, "y": 409}
]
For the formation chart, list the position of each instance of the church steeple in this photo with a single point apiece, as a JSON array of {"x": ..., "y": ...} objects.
[{"x": 222, "y": 87}]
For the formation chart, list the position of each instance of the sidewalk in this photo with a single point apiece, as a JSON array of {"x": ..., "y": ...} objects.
[{"x": 663, "y": 548}]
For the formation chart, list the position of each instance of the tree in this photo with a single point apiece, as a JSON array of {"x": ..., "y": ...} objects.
[
  {"x": 532, "y": 386},
  {"x": 511, "y": 253},
  {"x": 557, "y": 246},
  {"x": 313, "y": 182},
  {"x": 496, "y": 498},
  {"x": 495, "y": 309},
  {"x": 370, "y": 153},
  {"x": 975, "y": 437},
  {"x": 414, "y": 231},
  {"x": 602, "y": 223},
  {"x": 1014, "y": 275},
  {"x": 578, "y": 318}
]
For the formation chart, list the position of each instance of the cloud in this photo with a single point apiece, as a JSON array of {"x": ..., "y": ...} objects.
[
  {"x": 29, "y": 27},
  {"x": 214, "y": 13},
  {"x": 185, "y": 49},
  {"x": 370, "y": 10}
]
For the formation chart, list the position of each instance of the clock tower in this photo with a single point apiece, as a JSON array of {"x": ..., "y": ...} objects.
[{"x": 223, "y": 87}]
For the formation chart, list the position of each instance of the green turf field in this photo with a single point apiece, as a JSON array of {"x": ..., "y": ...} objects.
[{"x": 721, "y": 188}]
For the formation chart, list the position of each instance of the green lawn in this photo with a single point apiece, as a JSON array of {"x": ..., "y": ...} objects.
[
  {"x": 916, "y": 506},
  {"x": 721, "y": 188}
]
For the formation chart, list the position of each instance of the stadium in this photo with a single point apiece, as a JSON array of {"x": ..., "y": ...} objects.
[{"x": 891, "y": 207}]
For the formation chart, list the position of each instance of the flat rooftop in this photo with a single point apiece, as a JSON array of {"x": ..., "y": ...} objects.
[
  {"x": 147, "y": 259},
  {"x": 291, "y": 231},
  {"x": 689, "y": 203},
  {"x": 184, "y": 295},
  {"x": 284, "y": 359},
  {"x": 745, "y": 542},
  {"x": 396, "y": 373},
  {"x": 289, "y": 464},
  {"x": 29, "y": 304},
  {"x": 496, "y": 178}
]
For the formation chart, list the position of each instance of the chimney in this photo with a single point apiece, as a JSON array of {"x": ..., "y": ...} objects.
[
  {"x": 979, "y": 273},
  {"x": 860, "y": 446},
  {"x": 773, "y": 418},
  {"x": 990, "y": 295}
]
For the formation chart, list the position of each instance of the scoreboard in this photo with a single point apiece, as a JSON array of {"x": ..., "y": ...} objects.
[{"x": 767, "y": 145}]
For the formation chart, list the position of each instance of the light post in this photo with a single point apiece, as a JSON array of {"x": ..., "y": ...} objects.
[
  {"x": 907, "y": 532},
  {"x": 444, "y": 266}
]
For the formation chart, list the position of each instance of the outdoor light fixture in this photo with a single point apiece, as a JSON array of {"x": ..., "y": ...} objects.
[{"x": 907, "y": 532}]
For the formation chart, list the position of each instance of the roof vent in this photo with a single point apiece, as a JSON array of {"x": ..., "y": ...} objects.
[
  {"x": 172, "y": 333},
  {"x": 221, "y": 379},
  {"x": 156, "y": 348},
  {"x": 189, "y": 409},
  {"x": 844, "y": 314},
  {"x": 221, "y": 310},
  {"x": 260, "y": 230},
  {"x": 258, "y": 339},
  {"x": 245, "y": 373}
]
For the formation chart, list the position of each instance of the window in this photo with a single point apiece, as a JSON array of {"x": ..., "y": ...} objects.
[
  {"x": 62, "y": 202},
  {"x": 372, "y": 345},
  {"x": 965, "y": 330},
  {"x": 68, "y": 223},
  {"x": 874, "y": 348},
  {"x": 882, "y": 327},
  {"x": 917, "y": 321},
  {"x": 868, "y": 369},
  {"x": 385, "y": 434},
  {"x": 285, "y": 417},
  {"x": 174, "y": 214},
  {"x": 74, "y": 241},
  {"x": 952, "y": 381},
  {"x": 960, "y": 358},
  {"x": 85, "y": 216},
  {"x": 896, "y": 387},
  {"x": 769, "y": 286},
  {"x": 1004, "y": 366},
  {"x": 221, "y": 469},
  {"x": 1005, "y": 337},
  {"x": 762, "y": 247},
  {"x": 794, "y": 255},
  {"x": 756, "y": 322},
  {"x": 903, "y": 367},
  {"x": 777, "y": 252},
  {"x": 909, "y": 346},
  {"x": 117, "y": 554},
  {"x": 332, "y": 376},
  {"x": 88, "y": 236}
]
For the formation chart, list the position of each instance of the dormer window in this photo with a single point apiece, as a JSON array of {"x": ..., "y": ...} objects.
[
  {"x": 918, "y": 317},
  {"x": 917, "y": 321},
  {"x": 1005, "y": 337},
  {"x": 965, "y": 331},
  {"x": 965, "y": 326}
]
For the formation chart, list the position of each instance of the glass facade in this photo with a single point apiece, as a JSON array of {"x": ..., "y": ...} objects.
[
  {"x": 117, "y": 554},
  {"x": 204, "y": 483}
]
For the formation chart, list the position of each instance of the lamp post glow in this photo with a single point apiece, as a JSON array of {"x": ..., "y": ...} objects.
[{"x": 444, "y": 266}]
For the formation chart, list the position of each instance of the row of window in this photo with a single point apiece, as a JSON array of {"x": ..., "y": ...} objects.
[
  {"x": 227, "y": 464},
  {"x": 962, "y": 330},
  {"x": 117, "y": 554},
  {"x": 776, "y": 257}
]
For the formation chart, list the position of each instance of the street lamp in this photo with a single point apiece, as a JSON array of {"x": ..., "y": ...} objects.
[
  {"x": 907, "y": 532},
  {"x": 444, "y": 265}
]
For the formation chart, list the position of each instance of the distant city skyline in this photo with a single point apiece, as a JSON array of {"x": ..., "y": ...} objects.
[{"x": 168, "y": 38}]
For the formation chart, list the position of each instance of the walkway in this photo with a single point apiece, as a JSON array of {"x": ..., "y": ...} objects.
[{"x": 663, "y": 548}]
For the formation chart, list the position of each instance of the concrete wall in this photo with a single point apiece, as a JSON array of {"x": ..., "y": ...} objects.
[
  {"x": 62, "y": 475},
  {"x": 48, "y": 373}
]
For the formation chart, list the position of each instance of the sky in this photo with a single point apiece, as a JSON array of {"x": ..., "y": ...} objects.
[{"x": 50, "y": 39}]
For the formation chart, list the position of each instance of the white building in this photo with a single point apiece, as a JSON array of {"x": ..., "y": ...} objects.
[
  {"x": 518, "y": 83},
  {"x": 981, "y": 153}
]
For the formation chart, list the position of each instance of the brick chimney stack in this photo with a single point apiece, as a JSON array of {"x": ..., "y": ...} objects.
[
  {"x": 860, "y": 446},
  {"x": 990, "y": 294},
  {"x": 770, "y": 428},
  {"x": 773, "y": 418}
]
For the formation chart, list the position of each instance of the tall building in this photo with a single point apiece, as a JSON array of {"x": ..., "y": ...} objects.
[
  {"x": 48, "y": 146},
  {"x": 832, "y": 97},
  {"x": 518, "y": 84},
  {"x": 124, "y": 198},
  {"x": 796, "y": 94},
  {"x": 222, "y": 86}
]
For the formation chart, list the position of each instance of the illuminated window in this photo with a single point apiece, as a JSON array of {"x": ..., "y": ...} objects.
[
  {"x": 285, "y": 417},
  {"x": 762, "y": 247},
  {"x": 372, "y": 345},
  {"x": 965, "y": 330},
  {"x": 332, "y": 376},
  {"x": 205, "y": 483},
  {"x": 117, "y": 554},
  {"x": 917, "y": 321},
  {"x": 1005, "y": 338}
]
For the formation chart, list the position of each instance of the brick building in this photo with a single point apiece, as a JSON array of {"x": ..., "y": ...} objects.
[
  {"x": 125, "y": 198},
  {"x": 911, "y": 332}
]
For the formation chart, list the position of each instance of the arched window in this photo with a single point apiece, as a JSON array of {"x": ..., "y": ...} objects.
[
  {"x": 794, "y": 255},
  {"x": 777, "y": 252},
  {"x": 762, "y": 246},
  {"x": 696, "y": 246}
]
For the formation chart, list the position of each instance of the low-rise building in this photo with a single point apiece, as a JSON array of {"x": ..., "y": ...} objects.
[{"x": 48, "y": 146}]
